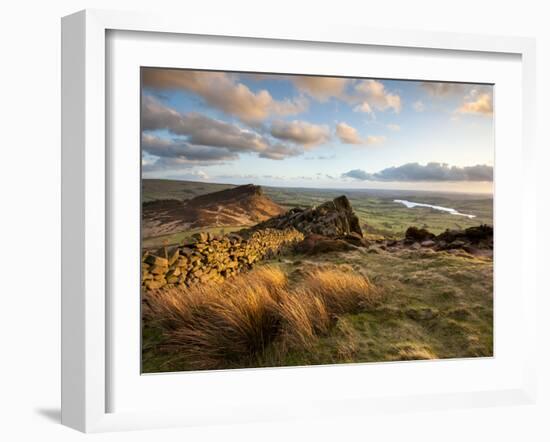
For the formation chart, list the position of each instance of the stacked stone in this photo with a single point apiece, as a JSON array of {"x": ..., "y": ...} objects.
[{"x": 212, "y": 259}]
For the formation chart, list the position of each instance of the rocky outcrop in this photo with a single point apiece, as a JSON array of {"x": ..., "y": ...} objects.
[
  {"x": 480, "y": 235},
  {"x": 208, "y": 258},
  {"x": 331, "y": 219},
  {"x": 314, "y": 244},
  {"x": 474, "y": 240},
  {"x": 414, "y": 234}
]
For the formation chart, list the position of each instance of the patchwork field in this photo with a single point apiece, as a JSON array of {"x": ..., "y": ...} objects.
[{"x": 378, "y": 213}]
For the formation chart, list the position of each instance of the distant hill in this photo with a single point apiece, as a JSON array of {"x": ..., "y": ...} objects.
[
  {"x": 235, "y": 206},
  {"x": 155, "y": 189}
]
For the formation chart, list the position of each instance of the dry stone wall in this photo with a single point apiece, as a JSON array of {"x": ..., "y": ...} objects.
[{"x": 213, "y": 259}]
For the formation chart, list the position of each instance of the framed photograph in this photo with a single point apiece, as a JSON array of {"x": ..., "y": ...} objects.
[{"x": 271, "y": 223}]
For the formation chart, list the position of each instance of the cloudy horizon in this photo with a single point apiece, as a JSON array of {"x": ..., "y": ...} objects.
[{"x": 311, "y": 131}]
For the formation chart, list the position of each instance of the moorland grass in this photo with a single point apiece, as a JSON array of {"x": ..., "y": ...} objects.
[
  {"x": 423, "y": 306},
  {"x": 435, "y": 304},
  {"x": 233, "y": 324}
]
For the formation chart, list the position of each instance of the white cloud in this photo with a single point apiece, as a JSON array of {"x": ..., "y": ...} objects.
[
  {"x": 222, "y": 91},
  {"x": 183, "y": 151},
  {"x": 300, "y": 132},
  {"x": 202, "y": 174},
  {"x": 349, "y": 135},
  {"x": 200, "y": 129},
  {"x": 320, "y": 88},
  {"x": 211, "y": 137},
  {"x": 365, "y": 95},
  {"x": 280, "y": 152},
  {"x": 363, "y": 107},
  {"x": 174, "y": 168},
  {"x": 477, "y": 103},
  {"x": 372, "y": 94},
  {"x": 393, "y": 127},
  {"x": 357, "y": 174},
  {"x": 435, "y": 172},
  {"x": 419, "y": 106},
  {"x": 375, "y": 139},
  {"x": 478, "y": 99}
]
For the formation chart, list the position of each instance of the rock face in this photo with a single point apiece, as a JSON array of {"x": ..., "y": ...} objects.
[
  {"x": 314, "y": 244},
  {"x": 331, "y": 219},
  {"x": 213, "y": 259}
]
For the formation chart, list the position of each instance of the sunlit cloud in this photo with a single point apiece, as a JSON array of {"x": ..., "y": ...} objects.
[
  {"x": 349, "y": 135},
  {"x": 300, "y": 132},
  {"x": 222, "y": 91},
  {"x": 373, "y": 95},
  {"x": 478, "y": 98},
  {"x": 321, "y": 88},
  {"x": 477, "y": 103},
  {"x": 210, "y": 133},
  {"x": 364, "y": 95}
]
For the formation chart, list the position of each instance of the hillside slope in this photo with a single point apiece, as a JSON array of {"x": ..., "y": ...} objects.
[{"x": 238, "y": 206}]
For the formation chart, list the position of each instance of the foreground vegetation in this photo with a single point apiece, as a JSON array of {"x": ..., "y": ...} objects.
[
  {"x": 254, "y": 318},
  {"x": 361, "y": 306}
]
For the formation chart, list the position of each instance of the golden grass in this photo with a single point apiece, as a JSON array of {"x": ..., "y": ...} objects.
[
  {"x": 346, "y": 347},
  {"x": 413, "y": 352},
  {"x": 211, "y": 326},
  {"x": 223, "y": 325},
  {"x": 304, "y": 317},
  {"x": 342, "y": 292}
]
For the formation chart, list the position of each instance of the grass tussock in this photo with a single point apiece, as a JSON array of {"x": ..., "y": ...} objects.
[
  {"x": 222, "y": 326},
  {"x": 304, "y": 317},
  {"x": 341, "y": 292}
]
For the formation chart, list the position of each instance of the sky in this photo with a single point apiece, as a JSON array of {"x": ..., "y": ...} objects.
[{"x": 313, "y": 131}]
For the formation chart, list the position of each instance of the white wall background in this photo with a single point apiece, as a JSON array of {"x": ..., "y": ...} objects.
[{"x": 30, "y": 215}]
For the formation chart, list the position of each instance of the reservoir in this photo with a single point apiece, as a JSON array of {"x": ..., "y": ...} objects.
[{"x": 411, "y": 204}]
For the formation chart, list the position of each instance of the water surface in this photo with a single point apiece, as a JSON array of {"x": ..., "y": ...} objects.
[{"x": 411, "y": 204}]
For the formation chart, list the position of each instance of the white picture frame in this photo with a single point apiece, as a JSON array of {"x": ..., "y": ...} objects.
[{"x": 86, "y": 353}]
